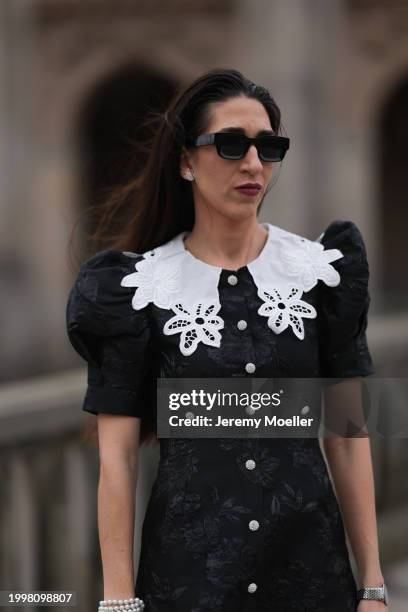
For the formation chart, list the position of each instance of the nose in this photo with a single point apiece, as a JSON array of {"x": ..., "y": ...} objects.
[{"x": 251, "y": 159}]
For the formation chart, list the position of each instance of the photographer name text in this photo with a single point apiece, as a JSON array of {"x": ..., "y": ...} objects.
[{"x": 266, "y": 421}]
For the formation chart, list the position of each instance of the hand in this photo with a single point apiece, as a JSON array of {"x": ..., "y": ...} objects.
[{"x": 371, "y": 605}]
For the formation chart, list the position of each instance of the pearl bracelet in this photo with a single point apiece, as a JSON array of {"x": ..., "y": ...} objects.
[
  {"x": 133, "y": 604},
  {"x": 127, "y": 608}
]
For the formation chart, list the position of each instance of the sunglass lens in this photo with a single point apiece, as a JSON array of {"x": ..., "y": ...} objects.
[
  {"x": 271, "y": 154},
  {"x": 270, "y": 150},
  {"x": 231, "y": 146}
]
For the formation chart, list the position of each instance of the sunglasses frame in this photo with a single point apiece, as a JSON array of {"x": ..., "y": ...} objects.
[{"x": 216, "y": 138}]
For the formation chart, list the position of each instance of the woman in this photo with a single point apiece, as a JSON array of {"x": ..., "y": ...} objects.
[{"x": 197, "y": 287}]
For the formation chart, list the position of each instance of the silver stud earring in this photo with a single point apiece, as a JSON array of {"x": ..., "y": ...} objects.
[{"x": 188, "y": 175}]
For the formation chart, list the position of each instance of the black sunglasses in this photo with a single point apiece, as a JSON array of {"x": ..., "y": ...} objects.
[{"x": 230, "y": 145}]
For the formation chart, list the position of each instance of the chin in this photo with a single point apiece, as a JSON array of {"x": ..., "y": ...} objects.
[{"x": 241, "y": 212}]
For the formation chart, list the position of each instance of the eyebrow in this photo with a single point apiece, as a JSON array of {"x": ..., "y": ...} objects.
[{"x": 240, "y": 130}]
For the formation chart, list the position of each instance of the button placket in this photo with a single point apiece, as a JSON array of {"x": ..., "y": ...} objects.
[
  {"x": 242, "y": 324},
  {"x": 253, "y": 525},
  {"x": 254, "y": 530}
]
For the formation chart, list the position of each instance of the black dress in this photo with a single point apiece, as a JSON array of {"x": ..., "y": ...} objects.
[{"x": 232, "y": 524}]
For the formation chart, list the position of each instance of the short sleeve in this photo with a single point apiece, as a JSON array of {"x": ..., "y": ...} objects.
[
  {"x": 343, "y": 309},
  {"x": 112, "y": 337}
]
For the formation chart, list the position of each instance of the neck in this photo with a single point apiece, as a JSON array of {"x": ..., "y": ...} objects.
[{"x": 228, "y": 244}]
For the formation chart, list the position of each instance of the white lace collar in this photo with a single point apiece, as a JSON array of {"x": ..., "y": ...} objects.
[{"x": 174, "y": 279}]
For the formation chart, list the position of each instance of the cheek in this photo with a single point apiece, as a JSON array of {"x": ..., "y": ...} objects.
[
  {"x": 223, "y": 175},
  {"x": 217, "y": 175}
]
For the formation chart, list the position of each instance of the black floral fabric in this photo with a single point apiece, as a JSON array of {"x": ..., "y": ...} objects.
[{"x": 198, "y": 552}]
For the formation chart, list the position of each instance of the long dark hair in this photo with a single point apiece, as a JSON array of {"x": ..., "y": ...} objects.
[{"x": 157, "y": 203}]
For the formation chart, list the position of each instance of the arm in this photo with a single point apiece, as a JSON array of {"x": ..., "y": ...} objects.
[
  {"x": 350, "y": 464},
  {"x": 118, "y": 452}
]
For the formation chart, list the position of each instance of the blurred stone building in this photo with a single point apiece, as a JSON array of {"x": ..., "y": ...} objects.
[{"x": 78, "y": 76}]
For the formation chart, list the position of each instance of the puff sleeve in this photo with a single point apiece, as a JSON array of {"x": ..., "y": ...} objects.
[
  {"x": 113, "y": 338},
  {"x": 342, "y": 310}
]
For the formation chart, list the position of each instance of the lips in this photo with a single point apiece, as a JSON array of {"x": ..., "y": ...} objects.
[
  {"x": 250, "y": 186},
  {"x": 250, "y": 189}
]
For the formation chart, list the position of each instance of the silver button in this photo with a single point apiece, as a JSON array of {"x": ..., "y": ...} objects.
[
  {"x": 252, "y": 587},
  {"x": 253, "y": 525},
  {"x": 242, "y": 324},
  {"x": 305, "y": 410},
  {"x": 189, "y": 415},
  {"x": 250, "y": 464},
  {"x": 232, "y": 279},
  {"x": 250, "y": 368}
]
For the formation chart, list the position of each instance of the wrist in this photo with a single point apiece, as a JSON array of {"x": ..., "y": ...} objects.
[
  {"x": 371, "y": 577},
  {"x": 118, "y": 595},
  {"x": 371, "y": 581}
]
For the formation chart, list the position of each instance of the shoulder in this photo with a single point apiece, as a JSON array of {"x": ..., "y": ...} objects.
[
  {"x": 353, "y": 267},
  {"x": 98, "y": 298},
  {"x": 103, "y": 272},
  {"x": 103, "y": 268},
  {"x": 343, "y": 309},
  {"x": 337, "y": 257},
  {"x": 351, "y": 295},
  {"x": 338, "y": 232},
  {"x": 344, "y": 234}
]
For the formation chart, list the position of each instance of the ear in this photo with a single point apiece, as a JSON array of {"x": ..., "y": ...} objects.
[{"x": 185, "y": 162}]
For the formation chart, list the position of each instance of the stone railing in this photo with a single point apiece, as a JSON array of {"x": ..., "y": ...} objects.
[{"x": 49, "y": 477}]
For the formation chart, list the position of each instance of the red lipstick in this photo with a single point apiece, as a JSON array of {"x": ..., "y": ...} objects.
[{"x": 250, "y": 189}]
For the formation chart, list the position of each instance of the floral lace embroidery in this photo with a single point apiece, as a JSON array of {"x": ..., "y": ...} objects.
[
  {"x": 283, "y": 308},
  {"x": 200, "y": 324},
  {"x": 309, "y": 262},
  {"x": 156, "y": 283}
]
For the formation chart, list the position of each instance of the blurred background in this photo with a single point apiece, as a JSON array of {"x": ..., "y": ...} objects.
[{"x": 76, "y": 79}]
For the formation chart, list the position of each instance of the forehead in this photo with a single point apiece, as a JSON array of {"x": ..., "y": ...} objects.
[{"x": 243, "y": 112}]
